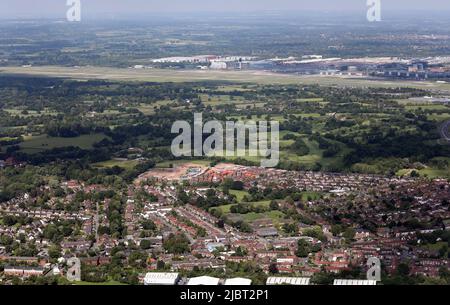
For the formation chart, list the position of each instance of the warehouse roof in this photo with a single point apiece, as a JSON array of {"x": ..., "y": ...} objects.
[
  {"x": 161, "y": 278},
  {"x": 238, "y": 281},
  {"x": 287, "y": 280},
  {"x": 203, "y": 280},
  {"x": 354, "y": 282}
]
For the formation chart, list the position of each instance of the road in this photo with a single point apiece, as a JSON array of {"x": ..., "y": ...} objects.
[{"x": 445, "y": 131}]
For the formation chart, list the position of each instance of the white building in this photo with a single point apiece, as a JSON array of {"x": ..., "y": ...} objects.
[
  {"x": 274, "y": 280},
  {"x": 238, "y": 281},
  {"x": 312, "y": 56},
  {"x": 218, "y": 65},
  {"x": 203, "y": 280},
  {"x": 339, "y": 282},
  {"x": 186, "y": 59},
  {"x": 161, "y": 278}
]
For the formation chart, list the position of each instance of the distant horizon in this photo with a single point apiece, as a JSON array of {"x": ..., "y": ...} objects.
[
  {"x": 138, "y": 16},
  {"x": 44, "y": 9}
]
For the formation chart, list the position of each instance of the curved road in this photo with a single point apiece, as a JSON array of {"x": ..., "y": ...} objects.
[{"x": 445, "y": 131}]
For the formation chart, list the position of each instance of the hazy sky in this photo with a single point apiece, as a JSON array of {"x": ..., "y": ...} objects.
[{"x": 55, "y": 8}]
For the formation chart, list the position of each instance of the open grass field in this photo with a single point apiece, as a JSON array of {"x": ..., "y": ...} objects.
[
  {"x": 427, "y": 107},
  {"x": 275, "y": 216},
  {"x": 439, "y": 117},
  {"x": 239, "y": 194},
  {"x": 34, "y": 144},
  {"x": 306, "y": 196},
  {"x": 29, "y": 113},
  {"x": 125, "y": 164},
  {"x": 226, "y": 208},
  {"x": 166, "y": 75},
  {"x": 427, "y": 172}
]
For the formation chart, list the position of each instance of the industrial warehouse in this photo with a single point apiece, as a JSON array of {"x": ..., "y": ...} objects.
[
  {"x": 174, "y": 278},
  {"x": 378, "y": 67}
]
